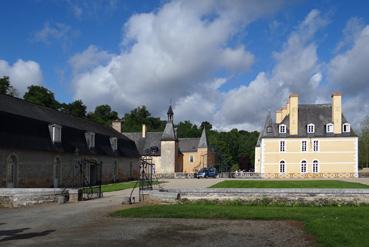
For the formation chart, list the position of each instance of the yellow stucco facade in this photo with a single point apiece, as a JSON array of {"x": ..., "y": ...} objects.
[{"x": 194, "y": 161}]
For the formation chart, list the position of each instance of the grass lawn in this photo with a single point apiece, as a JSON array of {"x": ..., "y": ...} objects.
[
  {"x": 331, "y": 226},
  {"x": 288, "y": 184},
  {"x": 118, "y": 186}
]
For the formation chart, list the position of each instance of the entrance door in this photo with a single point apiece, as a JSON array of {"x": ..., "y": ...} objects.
[{"x": 11, "y": 181}]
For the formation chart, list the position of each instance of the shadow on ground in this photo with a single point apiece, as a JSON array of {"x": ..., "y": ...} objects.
[{"x": 16, "y": 234}]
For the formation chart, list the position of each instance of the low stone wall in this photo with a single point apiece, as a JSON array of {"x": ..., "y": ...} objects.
[
  {"x": 21, "y": 197},
  {"x": 303, "y": 196}
]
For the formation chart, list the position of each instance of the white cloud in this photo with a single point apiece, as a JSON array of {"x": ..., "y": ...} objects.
[
  {"x": 50, "y": 32},
  {"x": 172, "y": 53},
  {"x": 348, "y": 73},
  {"x": 21, "y": 74}
]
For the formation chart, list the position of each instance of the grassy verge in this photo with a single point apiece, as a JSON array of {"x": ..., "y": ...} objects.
[
  {"x": 331, "y": 226},
  {"x": 120, "y": 186},
  {"x": 288, "y": 184}
]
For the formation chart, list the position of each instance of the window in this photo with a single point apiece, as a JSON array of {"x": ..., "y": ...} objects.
[
  {"x": 282, "y": 128},
  {"x": 315, "y": 146},
  {"x": 191, "y": 158},
  {"x": 303, "y": 166},
  {"x": 310, "y": 128},
  {"x": 303, "y": 146},
  {"x": 114, "y": 143},
  {"x": 282, "y": 146},
  {"x": 115, "y": 171},
  {"x": 269, "y": 129},
  {"x": 12, "y": 171},
  {"x": 315, "y": 166},
  {"x": 55, "y": 133},
  {"x": 282, "y": 167},
  {"x": 346, "y": 127},
  {"x": 329, "y": 128},
  {"x": 90, "y": 139},
  {"x": 57, "y": 172}
]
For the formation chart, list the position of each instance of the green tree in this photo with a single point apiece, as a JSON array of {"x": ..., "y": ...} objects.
[
  {"x": 132, "y": 121},
  {"x": 76, "y": 108},
  {"x": 187, "y": 129},
  {"x": 41, "y": 96},
  {"x": 208, "y": 126},
  {"x": 6, "y": 87},
  {"x": 364, "y": 143},
  {"x": 103, "y": 114}
]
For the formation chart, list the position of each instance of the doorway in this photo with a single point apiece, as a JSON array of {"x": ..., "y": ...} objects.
[{"x": 12, "y": 172}]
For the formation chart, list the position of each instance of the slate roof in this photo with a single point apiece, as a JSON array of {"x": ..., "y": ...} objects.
[
  {"x": 203, "y": 143},
  {"x": 25, "y": 125},
  {"x": 169, "y": 133},
  {"x": 188, "y": 144},
  {"x": 317, "y": 114}
]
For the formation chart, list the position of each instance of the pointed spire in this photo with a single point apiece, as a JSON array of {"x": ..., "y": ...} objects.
[
  {"x": 169, "y": 133},
  {"x": 170, "y": 114},
  {"x": 203, "y": 143}
]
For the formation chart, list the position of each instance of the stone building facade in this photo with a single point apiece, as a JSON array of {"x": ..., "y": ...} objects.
[
  {"x": 171, "y": 154},
  {"x": 42, "y": 147},
  {"x": 307, "y": 141}
]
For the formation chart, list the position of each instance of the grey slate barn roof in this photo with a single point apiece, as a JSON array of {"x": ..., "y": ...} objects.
[
  {"x": 318, "y": 114},
  {"x": 25, "y": 125}
]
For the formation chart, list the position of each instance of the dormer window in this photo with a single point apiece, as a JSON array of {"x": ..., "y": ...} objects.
[
  {"x": 114, "y": 143},
  {"x": 329, "y": 128},
  {"x": 90, "y": 139},
  {"x": 346, "y": 128},
  {"x": 269, "y": 129},
  {"x": 310, "y": 128},
  {"x": 282, "y": 128},
  {"x": 55, "y": 133}
]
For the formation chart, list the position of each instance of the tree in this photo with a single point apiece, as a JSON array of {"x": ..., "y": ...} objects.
[
  {"x": 187, "y": 129},
  {"x": 76, "y": 108},
  {"x": 103, "y": 115},
  {"x": 208, "y": 126},
  {"x": 41, "y": 96},
  {"x": 364, "y": 143},
  {"x": 6, "y": 87},
  {"x": 132, "y": 121}
]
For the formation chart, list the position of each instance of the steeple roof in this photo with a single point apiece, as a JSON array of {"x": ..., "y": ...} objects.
[{"x": 203, "y": 143}]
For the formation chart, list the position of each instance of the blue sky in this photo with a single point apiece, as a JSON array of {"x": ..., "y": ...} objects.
[{"x": 225, "y": 62}]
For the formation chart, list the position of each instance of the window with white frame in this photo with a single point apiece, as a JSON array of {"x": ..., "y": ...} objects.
[
  {"x": 315, "y": 145},
  {"x": 90, "y": 139},
  {"x": 282, "y": 128},
  {"x": 346, "y": 127},
  {"x": 329, "y": 128},
  {"x": 114, "y": 143},
  {"x": 282, "y": 146},
  {"x": 55, "y": 132},
  {"x": 303, "y": 146},
  {"x": 282, "y": 166},
  {"x": 315, "y": 166},
  {"x": 303, "y": 166},
  {"x": 310, "y": 128}
]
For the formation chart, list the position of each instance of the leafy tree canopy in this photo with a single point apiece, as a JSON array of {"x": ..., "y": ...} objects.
[
  {"x": 6, "y": 87},
  {"x": 41, "y": 96},
  {"x": 132, "y": 121},
  {"x": 76, "y": 108},
  {"x": 103, "y": 114}
]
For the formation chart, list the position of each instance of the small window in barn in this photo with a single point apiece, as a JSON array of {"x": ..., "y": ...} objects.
[
  {"x": 114, "y": 143},
  {"x": 90, "y": 139},
  {"x": 329, "y": 128},
  {"x": 55, "y": 133},
  {"x": 346, "y": 127},
  {"x": 311, "y": 128}
]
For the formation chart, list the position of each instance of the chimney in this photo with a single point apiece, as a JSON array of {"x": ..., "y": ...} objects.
[
  {"x": 117, "y": 125},
  {"x": 144, "y": 131},
  {"x": 337, "y": 112},
  {"x": 278, "y": 116},
  {"x": 293, "y": 103}
]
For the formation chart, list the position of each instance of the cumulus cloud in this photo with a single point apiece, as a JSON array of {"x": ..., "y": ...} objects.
[
  {"x": 22, "y": 74},
  {"x": 175, "y": 53},
  {"x": 348, "y": 72},
  {"x": 297, "y": 70}
]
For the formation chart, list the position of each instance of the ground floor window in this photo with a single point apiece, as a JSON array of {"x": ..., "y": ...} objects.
[
  {"x": 303, "y": 166},
  {"x": 315, "y": 166},
  {"x": 12, "y": 171},
  {"x": 282, "y": 167}
]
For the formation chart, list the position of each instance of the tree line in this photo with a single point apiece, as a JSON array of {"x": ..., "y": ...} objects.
[{"x": 233, "y": 148}]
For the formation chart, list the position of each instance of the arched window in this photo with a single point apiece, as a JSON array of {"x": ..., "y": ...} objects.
[
  {"x": 57, "y": 176},
  {"x": 303, "y": 166},
  {"x": 12, "y": 171},
  {"x": 315, "y": 166},
  {"x": 282, "y": 166},
  {"x": 310, "y": 128}
]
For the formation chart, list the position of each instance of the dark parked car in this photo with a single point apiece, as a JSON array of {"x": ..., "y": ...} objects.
[{"x": 207, "y": 172}]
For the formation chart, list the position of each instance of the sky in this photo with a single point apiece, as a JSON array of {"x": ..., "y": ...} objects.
[{"x": 226, "y": 62}]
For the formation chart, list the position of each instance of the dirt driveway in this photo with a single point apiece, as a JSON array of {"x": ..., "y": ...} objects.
[{"x": 88, "y": 224}]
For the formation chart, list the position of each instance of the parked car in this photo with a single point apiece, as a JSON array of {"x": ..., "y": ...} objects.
[{"x": 206, "y": 172}]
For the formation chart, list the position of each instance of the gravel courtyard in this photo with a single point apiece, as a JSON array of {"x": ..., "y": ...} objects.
[{"x": 88, "y": 224}]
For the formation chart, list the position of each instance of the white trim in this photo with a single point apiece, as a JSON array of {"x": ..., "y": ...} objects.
[
  {"x": 348, "y": 126},
  {"x": 312, "y": 166},
  {"x": 306, "y": 146},
  {"x": 313, "y": 146},
  {"x": 262, "y": 145},
  {"x": 284, "y": 167},
  {"x": 327, "y": 127},
  {"x": 285, "y": 129},
  {"x": 318, "y": 138},
  {"x": 284, "y": 146},
  {"x": 325, "y": 163},
  {"x": 306, "y": 166},
  {"x": 313, "y": 128},
  {"x": 321, "y": 152},
  {"x": 357, "y": 158}
]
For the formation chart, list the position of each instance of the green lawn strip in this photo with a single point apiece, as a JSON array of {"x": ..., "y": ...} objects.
[
  {"x": 288, "y": 184},
  {"x": 120, "y": 186},
  {"x": 331, "y": 226}
]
